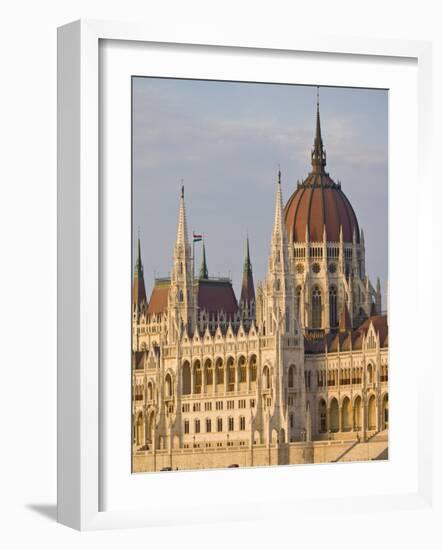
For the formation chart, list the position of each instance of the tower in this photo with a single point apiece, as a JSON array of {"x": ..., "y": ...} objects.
[
  {"x": 279, "y": 286},
  {"x": 247, "y": 295},
  {"x": 181, "y": 300},
  {"x": 138, "y": 287}
]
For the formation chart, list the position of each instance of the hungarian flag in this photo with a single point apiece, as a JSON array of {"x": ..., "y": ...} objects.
[{"x": 196, "y": 238}]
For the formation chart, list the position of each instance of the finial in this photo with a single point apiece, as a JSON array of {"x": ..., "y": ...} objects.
[
  {"x": 183, "y": 189},
  {"x": 318, "y": 97},
  {"x": 279, "y": 174}
]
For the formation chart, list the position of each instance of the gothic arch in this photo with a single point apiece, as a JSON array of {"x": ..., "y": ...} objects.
[
  {"x": 230, "y": 373},
  {"x": 266, "y": 377},
  {"x": 291, "y": 376},
  {"x": 208, "y": 373},
  {"x": 219, "y": 371},
  {"x": 346, "y": 415},
  {"x": 333, "y": 415},
  {"x": 169, "y": 387},
  {"x": 316, "y": 307},
  {"x": 197, "y": 376},
  {"x": 186, "y": 378},
  {"x": 356, "y": 411}
]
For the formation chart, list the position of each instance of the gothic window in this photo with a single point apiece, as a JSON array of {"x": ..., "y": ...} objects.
[
  {"x": 242, "y": 369},
  {"x": 333, "y": 307},
  {"x": 242, "y": 423},
  {"x": 316, "y": 308},
  {"x": 180, "y": 296},
  {"x": 220, "y": 377},
  {"x": 287, "y": 323},
  {"x": 231, "y": 374},
  {"x": 186, "y": 378},
  {"x": 197, "y": 377},
  {"x": 168, "y": 385},
  {"x": 186, "y": 427},
  {"x": 266, "y": 378},
  {"x": 209, "y": 373},
  {"x": 230, "y": 424},
  {"x": 277, "y": 285},
  {"x": 253, "y": 369},
  {"x": 219, "y": 424},
  {"x": 208, "y": 425},
  {"x": 197, "y": 426},
  {"x": 291, "y": 376}
]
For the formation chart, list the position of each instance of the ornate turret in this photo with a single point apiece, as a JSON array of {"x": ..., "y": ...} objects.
[
  {"x": 138, "y": 287},
  {"x": 280, "y": 284},
  {"x": 181, "y": 294},
  {"x": 247, "y": 295}
]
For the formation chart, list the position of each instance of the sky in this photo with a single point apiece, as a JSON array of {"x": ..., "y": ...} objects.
[{"x": 226, "y": 141}]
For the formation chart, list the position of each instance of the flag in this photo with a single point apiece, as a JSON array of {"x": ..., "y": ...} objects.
[{"x": 197, "y": 238}]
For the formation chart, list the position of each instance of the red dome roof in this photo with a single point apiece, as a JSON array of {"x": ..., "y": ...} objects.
[{"x": 319, "y": 203}]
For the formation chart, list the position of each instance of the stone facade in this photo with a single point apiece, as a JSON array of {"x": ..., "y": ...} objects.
[{"x": 297, "y": 373}]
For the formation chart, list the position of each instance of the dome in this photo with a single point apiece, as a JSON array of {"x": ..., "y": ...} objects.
[{"x": 319, "y": 203}]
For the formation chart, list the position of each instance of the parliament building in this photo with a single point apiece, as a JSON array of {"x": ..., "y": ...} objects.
[{"x": 294, "y": 371}]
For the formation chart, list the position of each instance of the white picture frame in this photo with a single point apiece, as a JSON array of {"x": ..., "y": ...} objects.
[{"x": 80, "y": 253}]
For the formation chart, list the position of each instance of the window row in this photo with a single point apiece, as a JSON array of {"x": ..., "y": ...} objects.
[{"x": 218, "y": 425}]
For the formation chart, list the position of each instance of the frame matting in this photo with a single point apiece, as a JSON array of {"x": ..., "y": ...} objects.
[{"x": 89, "y": 494}]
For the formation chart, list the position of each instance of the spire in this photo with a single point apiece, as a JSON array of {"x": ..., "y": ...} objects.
[
  {"x": 247, "y": 294},
  {"x": 138, "y": 288},
  {"x": 204, "y": 267},
  {"x": 182, "y": 230},
  {"x": 318, "y": 154},
  {"x": 279, "y": 229}
]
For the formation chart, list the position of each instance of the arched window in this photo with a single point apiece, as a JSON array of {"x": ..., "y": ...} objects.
[
  {"x": 277, "y": 285},
  {"x": 186, "y": 378},
  {"x": 291, "y": 376},
  {"x": 180, "y": 296},
  {"x": 370, "y": 374},
  {"x": 242, "y": 369},
  {"x": 266, "y": 378},
  {"x": 385, "y": 412},
  {"x": 333, "y": 321},
  {"x": 253, "y": 369},
  {"x": 197, "y": 377},
  {"x": 209, "y": 373},
  {"x": 168, "y": 385},
  {"x": 150, "y": 392},
  {"x": 333, "y": 415},
  {"x": 231, "y": 374},
  {"x": 346, "y": 415},
  {"x": 316, "y": 308},
  {"x": 219, "y": 372}
]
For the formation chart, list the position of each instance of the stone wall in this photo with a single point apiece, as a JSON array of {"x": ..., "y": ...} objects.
[{"x": 262, "y": 455}]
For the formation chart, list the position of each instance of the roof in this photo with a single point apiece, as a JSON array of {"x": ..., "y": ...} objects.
[
  {"x": 159, "y": 297},
  {"x": 319, "y": 204},
  {"x": 216, "y": 295},
  {"x": 342, "y": 340},
  {"x": 213, "y": 295}
]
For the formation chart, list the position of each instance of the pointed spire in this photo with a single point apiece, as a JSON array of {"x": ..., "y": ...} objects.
[
  {"x": 279, "y": 229},
  {"x": 182, "y": 229},
  {"x": 204, "y": 267},
  {"x": 318, "y": 155},
  {"x": 138, "y": 288},
  {"x": 247, "y": 294}
]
